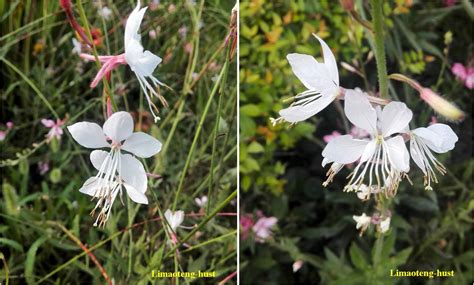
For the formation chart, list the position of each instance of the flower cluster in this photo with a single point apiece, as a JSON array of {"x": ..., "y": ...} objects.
[{"x": 378, "y": 150}]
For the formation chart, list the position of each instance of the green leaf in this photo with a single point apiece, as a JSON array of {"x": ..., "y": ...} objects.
[
  {"x": 30, "y": 260},
  {"x": 358, "y": 258},
  {"x": 250, "y": 110},
  {"x": 11, "y": 199}
]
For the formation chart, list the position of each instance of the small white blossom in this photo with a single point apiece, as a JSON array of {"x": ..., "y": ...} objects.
[
  {"x": 174, "y": 219},
  {"x": 439, "y": 138},
  {"x": 105, "y": 13},
  {"x": 115, "y": 168},
  {"x": 382, "y": 158},
  {"x": 385, "y": 225},
  {"x": 321, "y": 80},
  {"x": 77, "y": 46},
  {"x": 201, "y": 202},
  {"x": 362, "y": 221}
]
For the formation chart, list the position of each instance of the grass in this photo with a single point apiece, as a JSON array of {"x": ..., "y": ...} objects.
[{"x": 47, "y": 234}]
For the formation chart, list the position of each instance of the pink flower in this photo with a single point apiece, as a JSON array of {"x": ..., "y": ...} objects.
[
  {"x": 43, "y": 167},
  {"x": 188, "y": 47},
  {"x": 56, "y": 128},
  {"x": 262, "y": 228},
  {"x": 10, "y": 125},
  {"x": 459, "y": 70},
  {"x": 449, "y": 3},
  {"x": 333, "y": 135},
  {"x": 464, "y": 74},
  {"x": 297, "y": 265},
  {"x": 2, "y": 135},
  {"x": 246, "y": 223}
]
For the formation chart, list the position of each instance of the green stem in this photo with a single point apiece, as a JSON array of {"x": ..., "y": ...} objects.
[
  {"x": 377, "y": 23},
  {"x": 216, "y": 130},
  {"x": 196, "y": 135}
]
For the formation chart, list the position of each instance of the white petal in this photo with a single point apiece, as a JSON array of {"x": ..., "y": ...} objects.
[
  {"x": 97, "y": 158},
  {"x": 132, "y": 172},
  {"x": 398, "y": 153},
  {"x": 329, "y": 61},
  {"x": 119, "y": 126},
  {"x": 446, "y": 135},
  {"x": 300, "y": 113},
  {"x": 344, "y": 149},
  {"x": 385, "y": 225},
  {"x": 135, "y": 195},
  {"x": 89, "y": 186},
  {"x": 359, "y": 111},
  {"x": 88, "y": 135},
  {"x": 369, "y": 151},
  {"x": 143, "y": 63},
  {"x": 416, "y": 155},
  {"x": 394, "y": 119},
  {"x": 133, "y": 24},
  {"x": 142, "y": 145},
  {"x": 312, "y": 74}
]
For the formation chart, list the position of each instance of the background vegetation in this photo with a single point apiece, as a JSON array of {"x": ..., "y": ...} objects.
[
  {"x": 281, "y": 173},
  {"x": 45, "y": 220}
]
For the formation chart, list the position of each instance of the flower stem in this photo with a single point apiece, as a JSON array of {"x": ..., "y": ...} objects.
[{"x": 377, "y": 23}]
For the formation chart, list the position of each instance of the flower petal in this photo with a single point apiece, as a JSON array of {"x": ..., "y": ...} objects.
[
  {"x": 47, "y": 123},
  {"x": 133, "y": 24},
  {"x": 344, "y": 149},
  {"x": 97, "y": 157},
  {"x": 398, "y": 153},
  {"x": 329, "y": 61},
  {"x": 446, "y": 135},
  {"x": 131, "y": 170},
  {"x": 143, "y": 63},
  {"x": 88, "y": 135},
  {"x": 417, "y": 156},
  {"x": 395, "y": 117},
  {"x": 89, "y": 186},
  {"x": 312, "y": 74},
  {"x": 142, "y": 145},
  {"x": 298, "y": 113},
  {"x": 359, "y": 111},
  {"x": 369, "y": 151},
  {"x": 119, "y": 126},
  {"x": 135, "y": 195}
]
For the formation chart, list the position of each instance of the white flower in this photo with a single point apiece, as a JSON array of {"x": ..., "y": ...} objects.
[
  {"x": 201, "y": 202},
  {"x": 321, "y": 80},
  {"x": 363, "y": 192},
  {"x": 105, "y": 13},
  {"x": 384, "y": 157},
  {"x": 297, "y": 265},
  {"x": 77, "y": 46},
  {"x": 174, "y": 219},
  {"x": 363, "y": 222},
  {"x": 439, "y": 138},
  {"x": 142, "y": 63},
  {"x": 385, "y": 225},
  {"x": 115, "y": 169}
]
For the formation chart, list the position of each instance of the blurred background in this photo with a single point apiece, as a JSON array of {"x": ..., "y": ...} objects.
[
  {"x": 44, "y": 218},
  {"x": 294, "y": 231}
]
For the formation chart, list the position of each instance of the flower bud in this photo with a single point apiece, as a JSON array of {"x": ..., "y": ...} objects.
[
  {"x": 441, "y": 105},
  {"x": 347, "y": 5}
]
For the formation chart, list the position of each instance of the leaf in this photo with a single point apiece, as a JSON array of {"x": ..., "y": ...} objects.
[
  {"x": 11, "y": 199},
  {"x": 30, "y": 260},
  {"x": 255, "y": 147},
  {"x": 250, "y": 110},
  {"x": 358, "y": 258},
  {"x": 11, "y": 243}
]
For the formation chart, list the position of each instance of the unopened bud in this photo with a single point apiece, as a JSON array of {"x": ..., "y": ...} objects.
[
  {"x": 347, "y": 5},
  {"x": 441, "y": 105}
]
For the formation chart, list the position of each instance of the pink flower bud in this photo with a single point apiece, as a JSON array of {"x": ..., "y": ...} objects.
[
  {"x": 441, "y": 105},
  {"x": 10, "y": 125}
]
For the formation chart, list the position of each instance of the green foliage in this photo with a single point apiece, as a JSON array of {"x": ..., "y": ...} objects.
[
  {"x": 281, "y": 173},
  {"x": 42, "y": 78}
]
